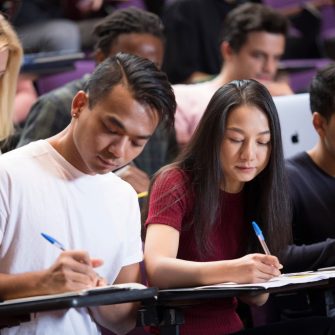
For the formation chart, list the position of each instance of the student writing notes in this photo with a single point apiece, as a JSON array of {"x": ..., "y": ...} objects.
[
  {"x": 65, "y": 186},
  {"x": 201, "y": 206}
]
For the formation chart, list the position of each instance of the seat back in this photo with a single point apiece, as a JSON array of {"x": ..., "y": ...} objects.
[{"x": 50, "y": 82}]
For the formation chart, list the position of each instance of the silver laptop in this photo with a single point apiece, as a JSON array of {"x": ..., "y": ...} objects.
[{"x": 295, "y": 117}]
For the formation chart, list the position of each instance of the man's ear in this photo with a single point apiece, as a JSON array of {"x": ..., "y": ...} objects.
[
  {"x": 226, "y": 50},
  {"x": 319, "y": 123},
  {"x": 79, "y": 101}
]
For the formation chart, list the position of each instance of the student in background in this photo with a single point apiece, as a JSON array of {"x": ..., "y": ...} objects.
[
  {"x": 17, "y": 91},
  {"x": 201, "y": 206},
  {"x": 192, "y": 30},
  {"x": 311, "y": 177},
  {"x": 253, "y": 40},
  {"x": 62, "y": 186},
  {"x": 10, "y": 63},
  {"x": 129, "y": 30},
  {"x": 312, "y": 173}
]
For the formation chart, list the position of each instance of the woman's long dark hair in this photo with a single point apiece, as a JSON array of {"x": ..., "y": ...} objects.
[{"x": 266, "y": 196}]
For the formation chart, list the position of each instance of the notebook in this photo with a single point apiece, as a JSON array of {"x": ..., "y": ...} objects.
[{"x": 298, "y": 133}]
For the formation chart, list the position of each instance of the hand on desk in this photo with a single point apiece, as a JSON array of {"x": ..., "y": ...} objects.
[
  {"x": 72, "y": 271},
  {"x": 255, "y": 268}
]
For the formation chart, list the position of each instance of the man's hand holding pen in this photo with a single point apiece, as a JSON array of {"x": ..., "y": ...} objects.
[{"x": 72, "y": 271}]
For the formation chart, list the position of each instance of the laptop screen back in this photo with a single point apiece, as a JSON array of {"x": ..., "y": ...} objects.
[{"x": 298, "y": 133}]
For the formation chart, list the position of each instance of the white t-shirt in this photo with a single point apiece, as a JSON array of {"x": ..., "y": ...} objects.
[{"x": 41, "y": 192}]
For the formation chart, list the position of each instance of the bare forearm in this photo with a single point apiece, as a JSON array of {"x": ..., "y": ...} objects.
[
  {"x": 22, "y": 285},
  {"x": 120, "y": 318},
  {"x": 167, "y": 272},
  {"x": 72, "y": 271},
  {"x": 257, "y": 300},
  {"x": 180, "y": 273}
]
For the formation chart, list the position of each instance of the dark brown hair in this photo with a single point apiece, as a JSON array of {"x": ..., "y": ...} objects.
[{"x": 266, "y": 195}]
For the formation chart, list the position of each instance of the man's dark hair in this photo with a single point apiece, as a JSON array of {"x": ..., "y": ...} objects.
[
  {"x": 126, "y": 21},
  {"x": 321, "y": 93},
  {"x": 147, "y": 84},
  {"x": 251, "y": 17}
]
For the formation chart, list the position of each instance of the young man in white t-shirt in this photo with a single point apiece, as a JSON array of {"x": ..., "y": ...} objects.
[{"x": 63, "y": 187}]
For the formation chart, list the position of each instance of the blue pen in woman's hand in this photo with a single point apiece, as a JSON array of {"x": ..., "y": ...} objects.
[{"x": 260, "y": 238}]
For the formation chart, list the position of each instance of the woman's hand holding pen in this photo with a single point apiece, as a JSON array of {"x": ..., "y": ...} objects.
[
  {"x": 254, "y": 268},
  {"x": 72, "y": 271}
]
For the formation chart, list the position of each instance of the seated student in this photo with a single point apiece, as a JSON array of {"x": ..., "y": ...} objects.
[
  {"x": 10, "y": 62},
  {"x": 201, "y": 206},
  {"x": 311, "y": 174},
  {"x": 129, "y": 30},
  {"x": 253, "y": 40},
  {"x": 192, "y": 30},
  {"x": 42, "y": 27},
  {"x": 17, "y": 92},
  {"x": 311, "y": 177},
  {"x": 62, "y": 186},
  {"x": 25, "y": 97}
]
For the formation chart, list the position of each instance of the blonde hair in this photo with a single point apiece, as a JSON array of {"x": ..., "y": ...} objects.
[{"x": 8, "y": 82}]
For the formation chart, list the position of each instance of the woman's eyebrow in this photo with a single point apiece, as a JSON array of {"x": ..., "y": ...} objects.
[{"x": 241, "y": 131}]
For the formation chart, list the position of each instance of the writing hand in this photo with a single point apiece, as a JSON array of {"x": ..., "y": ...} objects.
[
  {"x": 255, "y": 268},
  {"x": 72, "y": 271}
]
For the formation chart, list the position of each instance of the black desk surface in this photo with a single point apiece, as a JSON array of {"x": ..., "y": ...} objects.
[
  {"x": 46, "y": 63},
  {"x": 177, "y": 298},
  {"x": 161, "y": 308},
  {"x": 168, "y": 313},
  {"x": 14, "y": 313}
]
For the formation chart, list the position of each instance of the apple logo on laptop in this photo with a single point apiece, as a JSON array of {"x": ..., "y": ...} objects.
[{"x": 295, "y": 138}]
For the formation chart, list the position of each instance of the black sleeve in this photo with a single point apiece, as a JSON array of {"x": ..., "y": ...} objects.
[{"x": 308, "y": 257}]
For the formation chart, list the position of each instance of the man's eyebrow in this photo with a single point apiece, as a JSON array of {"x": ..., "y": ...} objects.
[
  {"x": 120, "y": 125},
  {"x": 265, "y": 132},
  {"x": 116, "y": 122}
]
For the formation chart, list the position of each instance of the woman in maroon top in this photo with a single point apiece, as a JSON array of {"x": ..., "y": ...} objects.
[{"x": 200, "y": 210}]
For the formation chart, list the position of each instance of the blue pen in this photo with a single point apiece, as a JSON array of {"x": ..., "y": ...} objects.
[
  {"x": 53, "y": 241},
  {"x": 57, "y": 244},
  {"x": 260, "y": 237}
]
